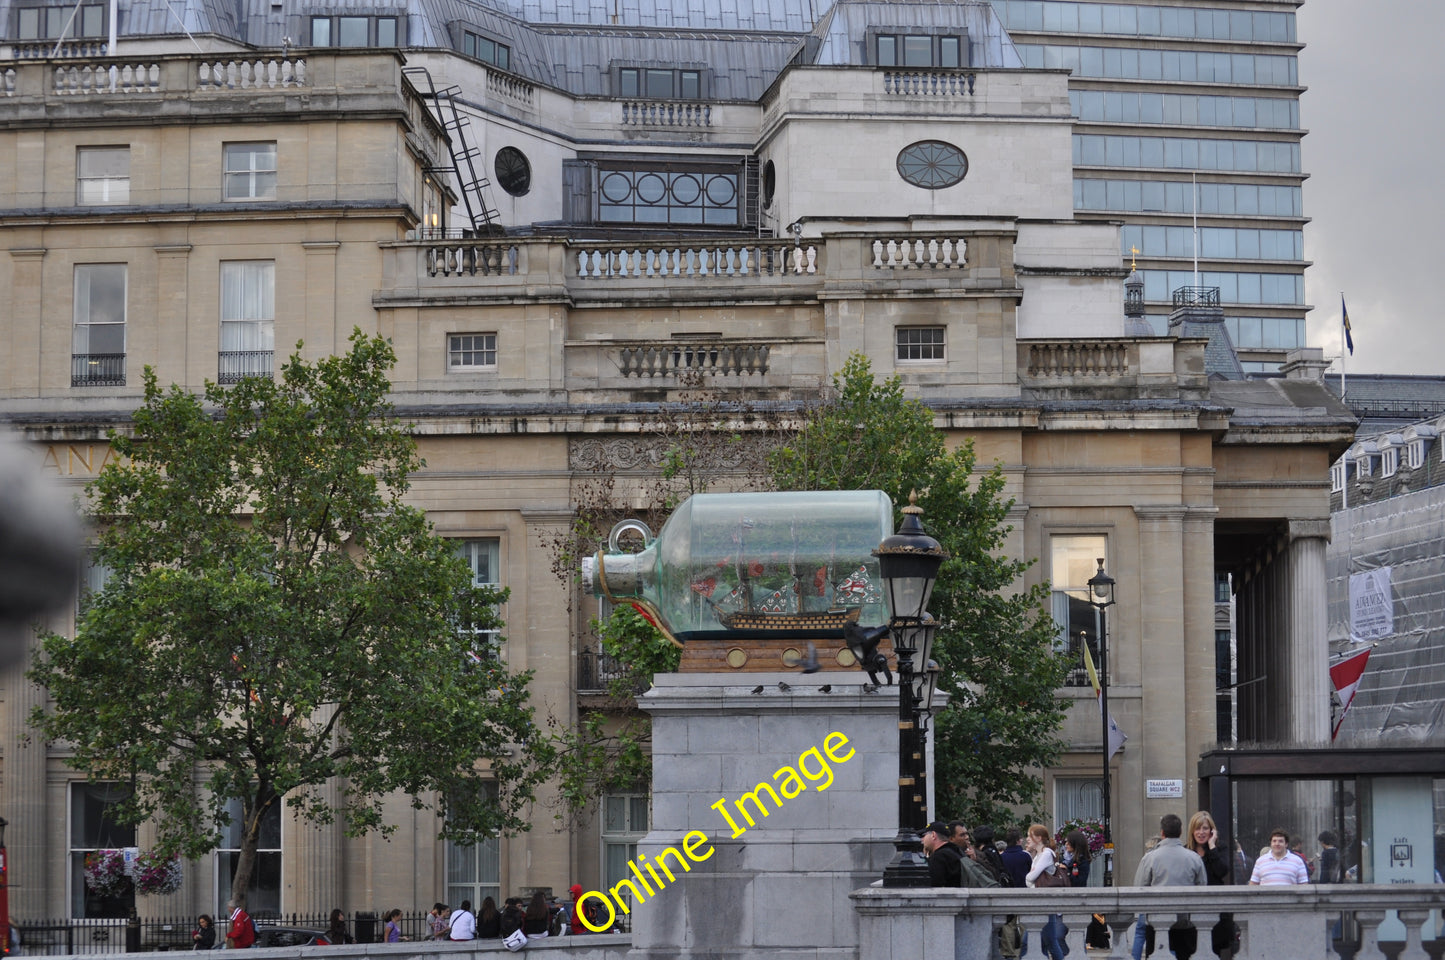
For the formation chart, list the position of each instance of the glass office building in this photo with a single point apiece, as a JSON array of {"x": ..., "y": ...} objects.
[{"x": 1185, "y": 109}]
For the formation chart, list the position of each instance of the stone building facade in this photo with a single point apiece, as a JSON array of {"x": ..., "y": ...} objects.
[{"x": 554, "y": 250}]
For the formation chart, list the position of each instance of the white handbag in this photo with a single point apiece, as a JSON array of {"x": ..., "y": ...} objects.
[{"x": 515, "y": 941}]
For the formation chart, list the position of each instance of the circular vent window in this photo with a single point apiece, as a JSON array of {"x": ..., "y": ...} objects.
[
  {"x": 514, "y": 173},
  {"x": 932, "y": 164}
]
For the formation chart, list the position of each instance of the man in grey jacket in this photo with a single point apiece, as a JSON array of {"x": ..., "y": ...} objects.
[{"x": 1170, "y": 864}]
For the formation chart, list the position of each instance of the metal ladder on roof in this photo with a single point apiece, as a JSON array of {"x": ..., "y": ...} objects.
[{"x": 471, "y": 186}]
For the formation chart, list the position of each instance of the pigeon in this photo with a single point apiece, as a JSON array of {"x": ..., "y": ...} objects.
[
  {"x": 758, "y": 688},
  {"x": 826, "y": 688},
  {"x": 783, "y": 686},
  {"x": 810, "y": 663},
  {"x": 869, "y": 687}
]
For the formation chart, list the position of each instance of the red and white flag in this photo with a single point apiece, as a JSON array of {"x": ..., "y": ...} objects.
[{"x": 1346, "y": 675}]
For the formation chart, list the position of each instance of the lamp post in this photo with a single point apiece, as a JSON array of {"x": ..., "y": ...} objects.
[
  {"x": 908, "y": 564},
  {"x": 1101, "y": 596},
  {"x": 4, "y": 893}
]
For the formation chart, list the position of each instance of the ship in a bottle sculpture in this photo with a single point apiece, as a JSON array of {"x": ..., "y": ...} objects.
[{"x": 750, "y": 579}]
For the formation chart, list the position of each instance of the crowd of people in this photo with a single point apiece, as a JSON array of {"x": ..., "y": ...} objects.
[
  {"x": 536, "y": 916},
  {"x": 1033, "y": 857}
]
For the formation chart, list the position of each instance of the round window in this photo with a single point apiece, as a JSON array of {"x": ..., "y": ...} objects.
[
  {"x": 932, "y": 164},
  {"x": 514, "y": 173}
]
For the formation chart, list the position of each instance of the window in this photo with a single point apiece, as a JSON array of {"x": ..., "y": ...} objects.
[
  {"x": 248, "y": 319},
  {"x": 94, "y": 575},
  {"x": 624, "y": 822},
  {"x": 1224, "y": 686},
  {"x": 250, "y": 171},
  {"x": 353, "y": 31},
  {"x": 484, "y": 557},
  {"x": 47, "y": 22},
  {"x": 1389, "y": 461},
  {"x": 1363, "y": 466},
  {"x": 263, "y": 899},
  {"x": 488, "y": 51},
  {"x": 911, "y": 50},
  {"x": 659, "y": 83},
  {"x": 673, "y": 194},
  {"x": 92, "y": 828},
  {"x": 97, "y": 351},
  {"x": 514, "y": 172},
  {"x": 1077, "y": 798},
  {"x": 475, "y": 872},
  {"x": 932, "y": 164},
  {"x": 1221, "y": 588},
  {"x": 102, "y": 175},
  {"x": 1337, "y": 477},
  {"x": 1415, "y": 454},
  {"x": 919, "y": 344},
  {"x": 472, "y": 351},
  {"x": 1073, "y": 561}
]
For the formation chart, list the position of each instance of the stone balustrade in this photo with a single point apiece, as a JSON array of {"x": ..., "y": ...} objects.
[
  {"x": 82, "y": 79},
  {"x": 928, "y": 83},
  {"x": 470, "y": 258},
  {"x": 510, "y": 87},
  {"x": 758, "y": 259},
  {"x": 731, "y": 358},
  {"x": 1274, "y": 922},
  {"x": 920, "y": 253},
  {"x": 666, "y": 113},
  {"x": 253, "y": 73},
  {"x": 1076, "y": 359}
]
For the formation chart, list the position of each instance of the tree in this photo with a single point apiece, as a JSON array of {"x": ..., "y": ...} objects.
[
  {"x": 276, "y": 616},
  {"x": 996, "y": 645}
]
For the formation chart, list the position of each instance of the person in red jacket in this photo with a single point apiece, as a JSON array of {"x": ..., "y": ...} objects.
[
  {"x": 242, "y": 932},
  {"x": 576, "y": 891}
]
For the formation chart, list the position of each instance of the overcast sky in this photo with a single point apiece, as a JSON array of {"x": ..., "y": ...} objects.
[{"x": 1376, "y": 190}]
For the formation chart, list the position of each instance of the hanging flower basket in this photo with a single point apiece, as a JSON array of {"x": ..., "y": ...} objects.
[
  {"x": 1092, "y": 830},
  {"x": 105, "y": 872},
  {"x": 156, "y": 873}
]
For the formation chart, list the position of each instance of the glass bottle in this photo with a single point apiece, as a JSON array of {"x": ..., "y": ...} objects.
[{"x": 795, "y": 565}]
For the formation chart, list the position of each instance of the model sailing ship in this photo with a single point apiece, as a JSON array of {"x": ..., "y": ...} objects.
[{"x": 781, "y": 612}]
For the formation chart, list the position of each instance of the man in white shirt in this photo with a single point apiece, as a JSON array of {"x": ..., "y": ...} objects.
[
  {"x": 1280, "y": 866},
  {"x": 464, "y": 922}
]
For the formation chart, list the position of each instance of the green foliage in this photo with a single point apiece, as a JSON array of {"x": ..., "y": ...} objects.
[
  {"x": 995, "y": 648},
  {"x": 275, "y": 616}
]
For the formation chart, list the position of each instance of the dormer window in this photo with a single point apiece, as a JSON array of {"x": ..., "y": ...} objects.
[
  {"x": 1415, "y": 454},
  {"x": 914, "y": 50},
  {"x": 1337, "y": 477},
  {"x": 1362, "y": 466},
  {"x": 481, "y": 48},
  {"x": 659, "y": 83},
  {"x": 354, "y": 31},
  {"x": 1389, "y": 461}
]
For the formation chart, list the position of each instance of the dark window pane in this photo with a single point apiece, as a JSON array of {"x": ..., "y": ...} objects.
[
  {"x": 887, "y": 52},
  {"x": 354, "y": 31},
  {"x": 918, "y": 51},
  {"x": 629, "y": 83},
  {"x": 321, "y": 31},
  {"x": 691, "y": 85},
  {"x": 386, "y": 32},
  {"x": 948, "y": 52},
  {"x": 659, "y": 83}
]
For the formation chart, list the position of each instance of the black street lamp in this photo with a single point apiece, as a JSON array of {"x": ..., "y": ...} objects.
[
  {"x": 4, "y": 893},
  {"x": 908, "y": 564},
  {"x": 1101, "y": 596}
]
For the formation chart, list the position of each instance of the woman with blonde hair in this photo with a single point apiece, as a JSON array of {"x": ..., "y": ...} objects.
[
  {"x": 1040, "y": 846},
  {"x": 1203, "y": 838}
]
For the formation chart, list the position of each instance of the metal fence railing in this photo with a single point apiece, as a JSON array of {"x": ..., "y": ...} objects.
[{"x": 59, "y": 936}]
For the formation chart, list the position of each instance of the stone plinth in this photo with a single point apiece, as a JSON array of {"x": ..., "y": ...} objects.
[{"x": 781, "y": 887}]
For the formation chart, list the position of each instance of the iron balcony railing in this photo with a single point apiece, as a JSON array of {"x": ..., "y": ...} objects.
[
  {"x": 236, "y": 365},
  {"x": 597, "y": 670},
  {"x": 97, "y": 370},
  {"x": 1196, "y": 297}
]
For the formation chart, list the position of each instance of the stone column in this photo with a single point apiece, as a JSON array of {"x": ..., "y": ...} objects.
[
  {"x": 1308, "y": 649},
  {"x": 24, "y": 364},
  {"x": 22, "y": 792}
]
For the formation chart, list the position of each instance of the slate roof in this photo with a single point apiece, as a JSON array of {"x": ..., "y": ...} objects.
[{"x": 573, "y": 44}]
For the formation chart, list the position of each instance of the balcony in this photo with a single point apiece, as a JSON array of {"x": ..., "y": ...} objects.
[
  {"x": 97, "y": 370},
  {"x": 237, "y": 365},
  {"x": 596, "y": 671}
]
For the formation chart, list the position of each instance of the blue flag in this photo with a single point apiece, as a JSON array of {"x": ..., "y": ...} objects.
[{"x": 1345, "y": 320}]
